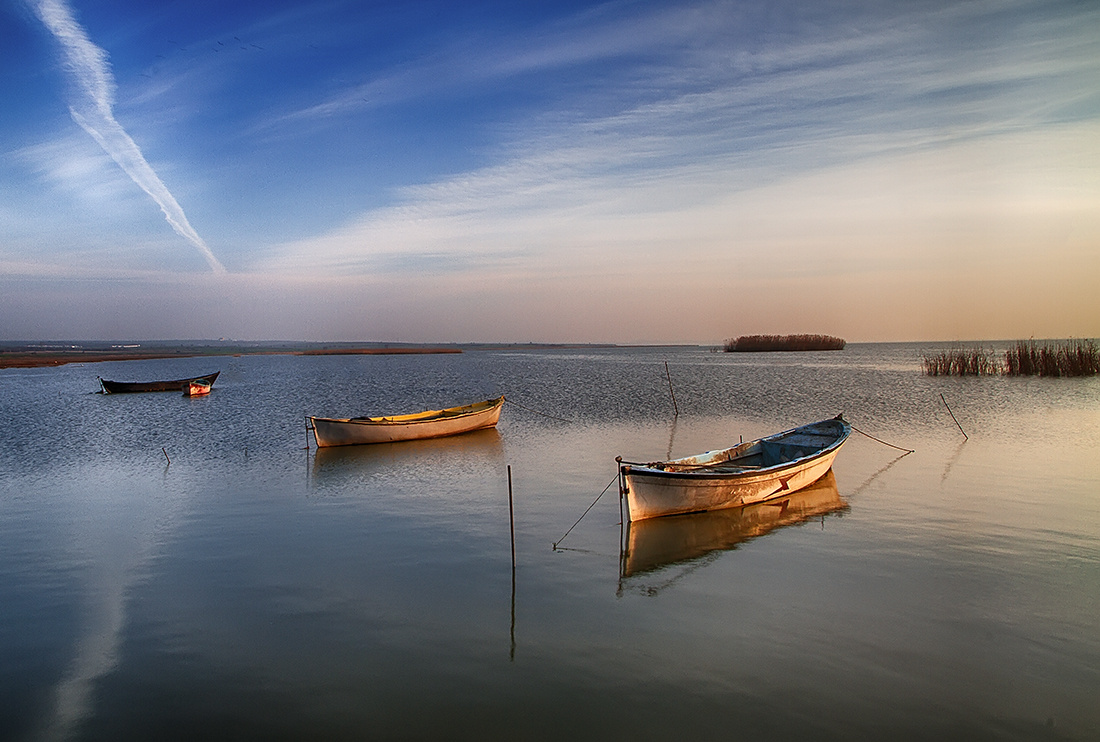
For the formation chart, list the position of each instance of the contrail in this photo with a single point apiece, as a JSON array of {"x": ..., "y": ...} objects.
[{"x": 88, "y": 65}]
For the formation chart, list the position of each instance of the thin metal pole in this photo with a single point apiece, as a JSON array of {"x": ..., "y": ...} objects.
[
  {"x": 622, "y": 518},
  {"x": 512, "y": 523},
  {"x": 622, "y": 490},
  {"x": 965, "y": 436}
]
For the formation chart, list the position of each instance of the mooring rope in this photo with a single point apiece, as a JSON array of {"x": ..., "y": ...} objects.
[
  {"x": 605, "y": 489},
  {"x": 891, "y": 445},
  {"x": 509, "y": 400}
]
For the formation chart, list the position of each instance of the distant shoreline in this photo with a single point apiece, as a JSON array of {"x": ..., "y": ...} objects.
[
  {"x": 43, "y": 358},
  {"x": 47, "y": 354}
]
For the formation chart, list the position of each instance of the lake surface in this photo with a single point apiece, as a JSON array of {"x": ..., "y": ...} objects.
[{"x": 175, "y": 568}]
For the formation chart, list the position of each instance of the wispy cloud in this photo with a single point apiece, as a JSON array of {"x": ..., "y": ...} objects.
[
  {"x": 698, "y": 124},
  {"x": 483, "y": 58},
  {"x": 92, "y": 108}
]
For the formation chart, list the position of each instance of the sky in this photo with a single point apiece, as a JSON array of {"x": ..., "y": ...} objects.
[{"x": 560, "y": 172}]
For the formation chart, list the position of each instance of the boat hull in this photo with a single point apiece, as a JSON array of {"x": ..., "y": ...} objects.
[
  {"x": 654, "y": 543},
  {"x": 131, "y": 387},
  {"x": 418, "y": 426},
  {"x": 687, "y": 486}
]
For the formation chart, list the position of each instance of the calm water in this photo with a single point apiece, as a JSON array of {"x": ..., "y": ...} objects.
[{"x": 253, "y": 589}]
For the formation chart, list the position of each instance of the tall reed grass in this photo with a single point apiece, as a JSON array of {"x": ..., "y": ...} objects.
[
  {"x": 1074, "y": 358},
  {"x": 961, "y": 362}
]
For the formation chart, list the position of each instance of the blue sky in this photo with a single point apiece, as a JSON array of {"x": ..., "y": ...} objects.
[{"x": 633, "y": 172}]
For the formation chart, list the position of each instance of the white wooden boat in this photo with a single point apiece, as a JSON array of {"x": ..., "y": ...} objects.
[
  {"x": 416, "y": 426},
  {"x": 733, "y": 477}
]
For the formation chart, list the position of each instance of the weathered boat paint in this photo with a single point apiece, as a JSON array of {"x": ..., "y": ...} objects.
[{"x": 197, "y": 388}]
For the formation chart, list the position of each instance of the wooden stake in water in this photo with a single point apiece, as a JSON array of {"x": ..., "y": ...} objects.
[
  {"x": 965, "y": 436},
  {"x": 165, "y": 454}
]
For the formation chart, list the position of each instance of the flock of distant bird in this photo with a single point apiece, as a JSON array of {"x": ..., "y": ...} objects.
[
  {"x": 218, "y": 47},
  {"x": 219, "y": 44}
]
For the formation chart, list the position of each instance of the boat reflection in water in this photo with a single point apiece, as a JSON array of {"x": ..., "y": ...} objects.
[
  {"x": 653, "y": 543},
  {"x": 453, "y": 453}
]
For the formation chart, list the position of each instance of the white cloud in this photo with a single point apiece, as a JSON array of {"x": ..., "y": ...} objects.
[{"x": 92, "y": 109}]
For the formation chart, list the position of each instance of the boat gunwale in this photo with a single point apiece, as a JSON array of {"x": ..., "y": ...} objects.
[
  {"x": 417, "y": 418},
  {"x": 709, "y": 471}
]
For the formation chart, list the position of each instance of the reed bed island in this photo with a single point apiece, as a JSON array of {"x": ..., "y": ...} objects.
[{"x": 765, "y": 343}]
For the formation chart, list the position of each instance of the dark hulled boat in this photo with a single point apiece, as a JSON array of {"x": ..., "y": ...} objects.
[{"x": 128, "y": 387}]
